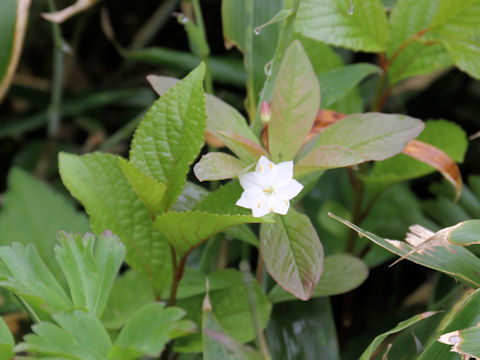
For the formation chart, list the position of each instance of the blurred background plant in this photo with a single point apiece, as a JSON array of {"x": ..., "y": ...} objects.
[{"x": 80, "y": 85}]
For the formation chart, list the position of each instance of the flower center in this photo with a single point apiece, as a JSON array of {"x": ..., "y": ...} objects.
[{"x": 269, "y": 190}]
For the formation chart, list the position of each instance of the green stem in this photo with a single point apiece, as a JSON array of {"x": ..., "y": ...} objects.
[
  {"x": 153, "y": 24},
  {"x": 282, "y": 45},
  {"x": 54, "y": 108},
  {"x": 197, "y": 10}
]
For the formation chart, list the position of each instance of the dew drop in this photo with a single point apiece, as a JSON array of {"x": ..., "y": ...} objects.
[
  {"x": 351, "y": 9},
  {"x": 184, "y": 19},
  {"x": 268, "y": 68},
  {"x": 257, "y": 30}
]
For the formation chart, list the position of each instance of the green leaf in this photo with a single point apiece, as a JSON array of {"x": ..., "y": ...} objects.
[
  {"x": 463, "y": 315},
  {"x": 401, "y": 326},
  {"x": 330, "y": 21},
  {"x": 465, "y": 233},
  {"x": 191, "y": 195},
  {"x": 27, "y": 276},
  {"x": 240, "y": 18},
  {"x": 217, "y": 345},
  {"x": 220, "y": 117},
  {"x": 7, "y": 342},
  {"x": 292, "y": 253},
  {"x": 341, "y": 273},
  {"x": 90, "y": 267},
  {"x": 218, "y": 166},
  {"x": 464, "y": 54},
  {"x": 464, "y": 341},
  {"x": 448, "y": 24},
  {"x": 129, "y": 293},
  {"x": 171, "y": 134},
  {"x": 148, "y": 331},
  {"x": 324, "y": 59},
  {"x": 408, "y": 18},
  {"x": 79, "y": 335},
  {"x": 337, "y": 83},
  {"x": 33, "y": 213},
  {"x": 295, "y": 103},
  {"x": 456, "y": 261},
  {"x": 13, "y": 20},
  {"x": 187, "y": 230},
  {"x": 98, "y": 183},
  {"x": 230, "y": 299},
  {"x": 303, "y": 330},
  {"x": 402, "y": 167},
  {"x": 359, "y": 138},
  {"x": 148, "y": 190}
]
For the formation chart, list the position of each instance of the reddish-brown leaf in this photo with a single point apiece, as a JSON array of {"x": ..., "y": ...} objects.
[{"x": 435, "y": 157}]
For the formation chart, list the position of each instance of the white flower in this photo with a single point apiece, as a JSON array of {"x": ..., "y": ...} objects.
[{"x": 269, "y": 188}]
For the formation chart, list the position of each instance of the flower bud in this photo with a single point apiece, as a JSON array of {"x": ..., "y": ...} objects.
[{"x": 265, "y": 113}]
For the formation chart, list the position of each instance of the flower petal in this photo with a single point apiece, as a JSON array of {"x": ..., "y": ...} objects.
[
  {"x": 262, "y": 208},
  {"x": 263, "y": 165},
  {"x": 284, "y": 173},
  {"x": 250, "y": 180},
  {"x": 250, "y": 197},
  {"x": 290, "y": 190},
  {"x": 280, "y": 206}
]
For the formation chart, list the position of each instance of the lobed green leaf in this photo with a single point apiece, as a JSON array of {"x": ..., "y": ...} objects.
[{"x": 98, "y": 183}]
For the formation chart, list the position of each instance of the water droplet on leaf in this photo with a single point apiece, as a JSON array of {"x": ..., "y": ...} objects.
[
  {"x": 257, "y": 30},
  {"x": 184, "y": 20},
  {"x": 351, "y": 9},
  {"x": 268, "y": 68}
]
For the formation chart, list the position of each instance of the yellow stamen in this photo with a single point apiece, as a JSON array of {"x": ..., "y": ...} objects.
[
  {"x": 286, "y": 202},
  {"x": 260, "y": 169},
  {"x": 259, "y": 204},
  {"x": 271, "y": 166},
  {"x": 271, "y": 208}
]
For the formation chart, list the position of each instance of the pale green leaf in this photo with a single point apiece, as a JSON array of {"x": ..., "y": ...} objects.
[
  {"x": 292, "y": 253},
  {"x": 402, "y": 167},
  {"x": 401, "y": 326},
  {"x": 337, "y": 83},
  {"x": 33, "y": 213},
  {"x": 78, "y": 336},
  {"x": 218, "y": 166},
  {"x": 295, "y": 103},
  {"x": 27, "y": 276},
  {"x": 358, "y": 138},
  {"x": 147, "y": 189},
  {"x": 130, "y": 292},
  {"x": 171, "y": 134},
  {"x": 148, "y": 331},
  {"x": 330, "y": 21},
  {"x": 341, "y": 273},
  {"x": 90, "y": 266},
  {"x": 191, "y": 194},
  {"x": 98, "y": 183}
]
